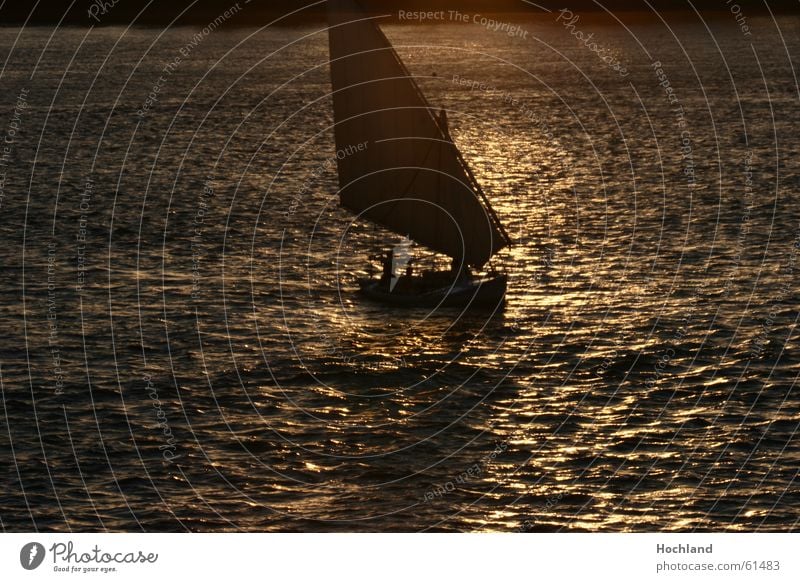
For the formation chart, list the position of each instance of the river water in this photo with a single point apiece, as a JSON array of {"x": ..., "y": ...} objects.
[{"x": 182, "y": 348}]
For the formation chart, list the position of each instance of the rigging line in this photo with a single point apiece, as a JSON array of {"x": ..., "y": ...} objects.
[{"x": 490, "y": 209}]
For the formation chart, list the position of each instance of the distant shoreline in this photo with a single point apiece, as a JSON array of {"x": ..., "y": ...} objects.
[
  {"x": 255, "y": 13},
  {"x": 292, "y": 22}
]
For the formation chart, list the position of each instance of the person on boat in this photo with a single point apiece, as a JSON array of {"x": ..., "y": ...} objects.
[
  {"x": 442, "y": 119},
  {"x": 386, "y": 277},
  {"x": 459, "y": 269}
]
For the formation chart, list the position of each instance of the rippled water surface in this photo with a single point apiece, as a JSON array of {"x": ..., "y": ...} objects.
[{"x": 182, "y": 348}]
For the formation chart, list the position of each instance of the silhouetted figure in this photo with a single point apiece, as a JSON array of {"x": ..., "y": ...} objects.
[
  {"x": 459, "y": 269},
  {"x": 386, "y": 277},
  {"x": 442, "y": 119}
]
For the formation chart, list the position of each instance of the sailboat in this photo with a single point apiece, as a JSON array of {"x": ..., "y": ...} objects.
[{"x": 400, "y": 169}]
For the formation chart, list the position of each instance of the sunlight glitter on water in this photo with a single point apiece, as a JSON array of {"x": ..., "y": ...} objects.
[{"x": 294, "y": 404}]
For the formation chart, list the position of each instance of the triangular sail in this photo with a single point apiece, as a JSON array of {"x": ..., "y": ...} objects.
[{"x": 408, "y": 176}]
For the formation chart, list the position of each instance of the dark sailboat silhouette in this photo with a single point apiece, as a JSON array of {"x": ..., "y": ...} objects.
[{"x": 410, "y": 177}]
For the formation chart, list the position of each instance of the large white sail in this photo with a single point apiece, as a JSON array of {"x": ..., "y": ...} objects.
[{"x": 409, "y": 177}]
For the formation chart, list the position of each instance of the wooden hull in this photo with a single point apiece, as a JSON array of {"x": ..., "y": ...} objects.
[{"x": 483, "y": 293}]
